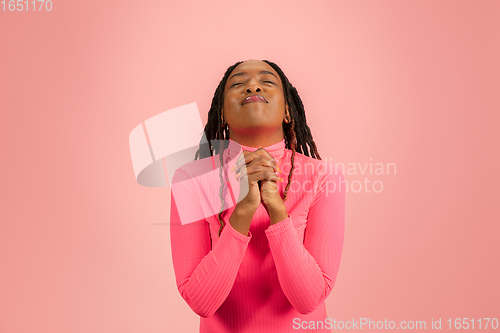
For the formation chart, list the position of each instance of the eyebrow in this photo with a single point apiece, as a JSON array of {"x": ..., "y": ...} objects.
[{"x": 262, "y": 72}]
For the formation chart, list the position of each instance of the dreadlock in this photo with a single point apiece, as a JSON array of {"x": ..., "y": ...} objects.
[{"x": 297, "y": 134}]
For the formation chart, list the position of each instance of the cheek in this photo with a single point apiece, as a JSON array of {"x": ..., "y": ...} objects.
[
  {"x": 279, "y": 102},
  {"x": 229, "y": 97},
  {"x": 230, "y": 106}
]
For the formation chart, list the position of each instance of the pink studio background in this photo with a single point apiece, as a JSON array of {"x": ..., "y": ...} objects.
[{"x": 84, "y": 248}]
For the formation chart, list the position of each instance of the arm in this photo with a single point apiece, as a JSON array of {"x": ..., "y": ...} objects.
[
  {"x": 307, "y": 272},
  {"x": 204, "y": 275}
]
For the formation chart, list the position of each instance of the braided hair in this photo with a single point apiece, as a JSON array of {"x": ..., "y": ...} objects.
[{"x": 297, "y": 134}]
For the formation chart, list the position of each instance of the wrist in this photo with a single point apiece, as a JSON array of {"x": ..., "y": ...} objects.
[
  {"x": 241, "y": 219},
  {"x": 277, "y": 214},
  {"x": 242, "y": 209}
]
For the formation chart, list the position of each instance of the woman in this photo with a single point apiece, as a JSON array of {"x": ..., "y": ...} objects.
[{"x": 267, "y": 263}]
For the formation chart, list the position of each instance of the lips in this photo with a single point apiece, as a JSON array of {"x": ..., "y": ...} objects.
[{"x": 254, "y": 98}]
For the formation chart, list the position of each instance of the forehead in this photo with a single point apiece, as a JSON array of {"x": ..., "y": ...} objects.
[{"x": 254, "y": 66}]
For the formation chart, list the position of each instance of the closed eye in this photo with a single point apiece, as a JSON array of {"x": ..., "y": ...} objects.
[{"x": 238, "y": 83}]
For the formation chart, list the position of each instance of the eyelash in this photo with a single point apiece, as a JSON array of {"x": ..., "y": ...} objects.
[{"x": 235, "y": 84}]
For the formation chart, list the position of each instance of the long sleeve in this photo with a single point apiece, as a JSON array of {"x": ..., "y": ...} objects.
[
  {"x": 204, "y": 276},
  {"x": 307, "y": 271}
]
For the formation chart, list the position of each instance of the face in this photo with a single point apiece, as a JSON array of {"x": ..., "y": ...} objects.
[{"x": 254, "y": 102}]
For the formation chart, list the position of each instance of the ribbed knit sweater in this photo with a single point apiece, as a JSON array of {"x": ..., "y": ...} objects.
[{"x": 275, "y": 279}]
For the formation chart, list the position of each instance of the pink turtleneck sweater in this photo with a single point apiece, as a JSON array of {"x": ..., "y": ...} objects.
[{"x": 275, "y": 279}]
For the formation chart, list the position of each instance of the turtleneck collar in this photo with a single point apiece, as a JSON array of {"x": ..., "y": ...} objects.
[{"x": 276, "y": 150}]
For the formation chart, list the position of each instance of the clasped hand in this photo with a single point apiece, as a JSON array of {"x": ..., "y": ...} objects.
[{"x": 260, "y": 173}]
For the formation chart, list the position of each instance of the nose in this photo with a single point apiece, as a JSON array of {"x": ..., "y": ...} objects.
[{"x": 253, "y": 86}]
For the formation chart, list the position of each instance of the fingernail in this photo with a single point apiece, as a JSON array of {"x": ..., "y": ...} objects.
[
  {"x": 280, "y": 179},
  {"x": 279, "y": 170},
  {"x": 237, "y": 175},
  {"x": 233, "y": 168}
]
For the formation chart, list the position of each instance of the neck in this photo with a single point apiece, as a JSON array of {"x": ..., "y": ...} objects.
[
  {"x": 257, "y": 139},
  {"x": 277, "y": 150}
]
